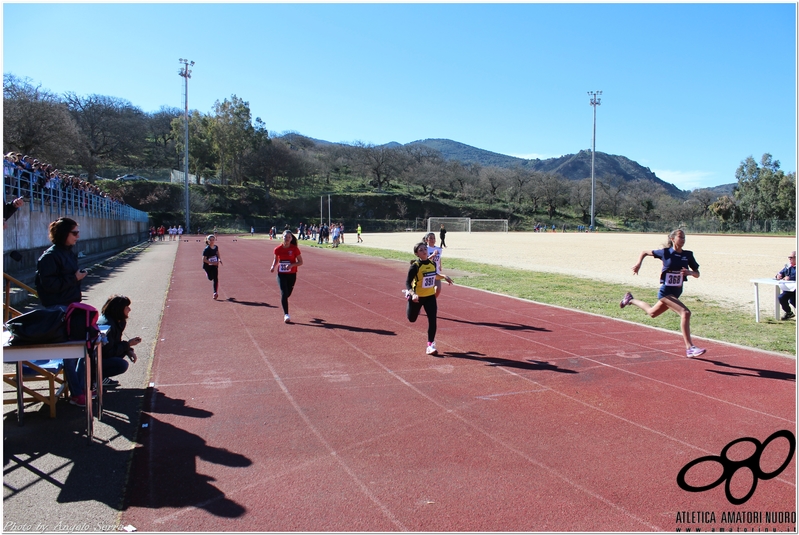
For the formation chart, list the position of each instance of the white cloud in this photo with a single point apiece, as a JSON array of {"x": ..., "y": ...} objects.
[{"x": 687, "y": 180}]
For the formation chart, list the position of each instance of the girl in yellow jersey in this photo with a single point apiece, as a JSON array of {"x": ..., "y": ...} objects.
[{"x": 420, "y": 291}]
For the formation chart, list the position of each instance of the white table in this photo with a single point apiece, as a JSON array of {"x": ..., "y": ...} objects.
[
  {"x": 791, "y": 285},
  {"x": 62, "y": 351}
]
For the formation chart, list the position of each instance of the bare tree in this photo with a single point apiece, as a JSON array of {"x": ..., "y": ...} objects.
[
  {"x": 402, "y": 208},
  {"x": 161, "y": 142},
  {"x": 613, "y": 189},
  {"x": 520, "y": 178},
  {"x": 704, "y": 198},
  {"x": 641, "y": 200},
  {"x": 554, "y": 192},
  {"x": 580, "y": 197},
  {"x": 380, "y": 163},
  {"x": 111, "y": 129},
  {"x": 36, "y": 122},
  {"x": 463, "y": 177},
  {"x": 274, "y": 164},
  {"x": 533, "y": 191},
  {"x": 493, "y": 181}
]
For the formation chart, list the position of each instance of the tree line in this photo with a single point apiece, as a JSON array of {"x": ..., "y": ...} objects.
[{"x": 230, "y": 147}]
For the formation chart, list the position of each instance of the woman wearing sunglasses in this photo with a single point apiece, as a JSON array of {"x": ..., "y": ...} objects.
[
  {"x": 58, "y": 281},
  {"x": 58, "y": 278}
]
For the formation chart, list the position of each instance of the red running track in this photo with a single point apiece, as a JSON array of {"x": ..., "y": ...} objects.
[{"x": 532, "y": 418}]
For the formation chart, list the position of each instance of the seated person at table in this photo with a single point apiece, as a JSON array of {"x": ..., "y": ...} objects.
[
  {"x": 788, "y": 298},
  {"x": 115, "y": 313}
]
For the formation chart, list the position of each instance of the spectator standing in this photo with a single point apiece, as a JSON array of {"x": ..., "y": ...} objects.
[
  {"x": 58, "y": 282},
  {"x": 442, "y": 234},
  {"x": 788, "y": 298}
]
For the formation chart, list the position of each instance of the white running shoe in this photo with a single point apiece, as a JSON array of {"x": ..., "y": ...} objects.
[
  {"x": 694, "y": 351},
  {"x": 431, "y": 349},
  {"x": 286, "y": 319}
]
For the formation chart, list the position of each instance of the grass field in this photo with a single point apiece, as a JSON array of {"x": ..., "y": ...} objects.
[{"x": 723, "y": 318}]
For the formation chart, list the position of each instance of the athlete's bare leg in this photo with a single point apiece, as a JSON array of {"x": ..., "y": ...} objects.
[{"x": 669, "y": 303}]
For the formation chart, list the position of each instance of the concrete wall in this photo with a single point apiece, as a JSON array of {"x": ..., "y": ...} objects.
[{"x": 27, "y": 233}]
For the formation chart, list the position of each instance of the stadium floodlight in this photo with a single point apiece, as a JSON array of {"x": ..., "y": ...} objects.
[
  {"x": 595, "y": 101},
  {"x": 186, "y": 74}
]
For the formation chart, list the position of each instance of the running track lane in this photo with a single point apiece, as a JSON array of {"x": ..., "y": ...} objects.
[{"x": 533, "y": 418}]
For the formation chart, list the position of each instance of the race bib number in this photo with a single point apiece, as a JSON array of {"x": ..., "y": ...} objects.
[
  {"x": 213, "y": 259},
  {"x": 673, "y": 279},
  {"x": 285, "y": 266},
  {"x": 429, "y": 281}
]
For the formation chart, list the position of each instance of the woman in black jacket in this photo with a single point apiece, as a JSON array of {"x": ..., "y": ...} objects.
[
  {"x": 58, "y": 281},
  {"x": 115, "y": 313},
  {"x": 58, "y": 278}
]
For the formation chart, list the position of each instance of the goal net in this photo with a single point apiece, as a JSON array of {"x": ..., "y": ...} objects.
[
  {"x": 452, "y": 224},
  {"x": 488, "y": 225},
  {"x": 465, "y": 224}
]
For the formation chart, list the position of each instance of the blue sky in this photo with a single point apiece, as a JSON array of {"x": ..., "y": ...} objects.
[{"x": 689, "y": 90}]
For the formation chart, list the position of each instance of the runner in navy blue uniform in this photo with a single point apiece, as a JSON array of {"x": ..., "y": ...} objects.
[
  {"x": 678, "y": 264},
  {"x": 211, "y": 262}
]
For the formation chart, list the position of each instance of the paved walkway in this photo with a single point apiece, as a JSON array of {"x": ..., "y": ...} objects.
[{"x": 54, "y": 481}]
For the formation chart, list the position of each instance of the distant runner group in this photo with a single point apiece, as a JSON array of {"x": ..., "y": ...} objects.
[{"x": 424, "y": 280}]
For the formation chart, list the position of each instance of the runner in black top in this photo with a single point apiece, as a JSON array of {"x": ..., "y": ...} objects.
[{"x": 211, "y": 262}]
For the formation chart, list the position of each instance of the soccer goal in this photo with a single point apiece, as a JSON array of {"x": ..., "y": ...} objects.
[
  {"x": 452, "y": 224},
  {"x": 488, "y": 225},
  {"x": 465, "y": 224}
]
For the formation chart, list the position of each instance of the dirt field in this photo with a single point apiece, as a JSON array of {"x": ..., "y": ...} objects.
[{"x": 727, "y": 263}]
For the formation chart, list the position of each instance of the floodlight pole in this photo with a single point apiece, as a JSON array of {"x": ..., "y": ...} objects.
[
  {"x": 595, "y": 101},
  {"x": 186, "y": 74}
]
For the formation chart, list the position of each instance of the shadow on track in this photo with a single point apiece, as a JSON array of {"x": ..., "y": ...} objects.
[
  {"x": 319, "y": 322},
  {"x": 249, "y": 303},
  {"x": 503, "y": 326},
  {"x": 534, "y": 365},
  {"x": 765, "y": 374},
  {"x": 165, "y": 463},
  {"x": 162, "y": 469}
]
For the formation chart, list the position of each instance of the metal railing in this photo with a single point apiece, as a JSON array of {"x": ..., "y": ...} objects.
[{"x": 64, "y": 200}]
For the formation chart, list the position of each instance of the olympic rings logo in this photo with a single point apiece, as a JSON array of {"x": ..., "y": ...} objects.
[{"x": 730, "y": 467}]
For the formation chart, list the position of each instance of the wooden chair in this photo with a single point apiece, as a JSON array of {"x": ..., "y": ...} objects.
[{"x": 51, "y": 371}]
